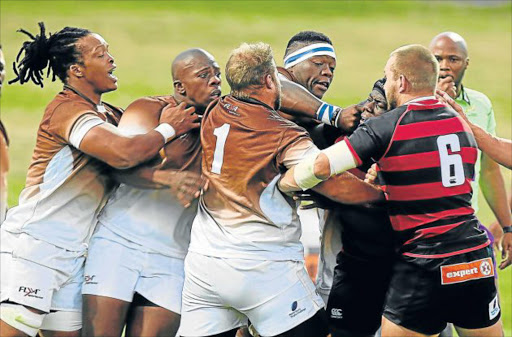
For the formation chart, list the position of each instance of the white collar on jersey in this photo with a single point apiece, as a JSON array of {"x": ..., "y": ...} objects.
[{"x": 422, "y": 98}]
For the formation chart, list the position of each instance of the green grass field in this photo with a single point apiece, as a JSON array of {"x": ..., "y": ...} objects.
[{"x": 144, "y": 37}]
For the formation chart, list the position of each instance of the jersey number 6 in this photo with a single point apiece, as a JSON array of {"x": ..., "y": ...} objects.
[
  {"x": 218, "y": 156},
  {"x": 452, "y": 170}
]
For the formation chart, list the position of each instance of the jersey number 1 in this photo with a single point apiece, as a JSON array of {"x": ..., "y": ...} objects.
[
  {"x": 452, "y": 170},
  {"x": 218, "y": 156}
]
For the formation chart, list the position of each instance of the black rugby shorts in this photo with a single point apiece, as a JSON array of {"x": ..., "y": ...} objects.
[
  {"x": 357, "y": 296},
  {"x": 461, "y": 290}
]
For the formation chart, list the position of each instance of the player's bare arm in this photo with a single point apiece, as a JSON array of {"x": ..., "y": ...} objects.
[
  {"x": 315, "y": 169},
  {"x": 297, "y": 101},
  {"x": 121, "y": 152}
]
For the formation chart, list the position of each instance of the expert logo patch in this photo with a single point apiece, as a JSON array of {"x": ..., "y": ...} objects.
[{"x": 462, "y": 272}]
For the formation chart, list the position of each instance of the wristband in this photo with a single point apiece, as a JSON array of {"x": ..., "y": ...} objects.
[
  {"x": 340, "y": 158},
  {"x": 167, "y": 131},
  {"x": 328, "y": 114},
  {"x": 507, "y": 229}
]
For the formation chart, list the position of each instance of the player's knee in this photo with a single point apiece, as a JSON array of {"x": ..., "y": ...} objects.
[{"x": 21, "y": 318}]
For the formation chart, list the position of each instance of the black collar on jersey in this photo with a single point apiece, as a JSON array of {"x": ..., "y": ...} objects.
[
  {"x": 464, "y": 94},
  {"x": 254, "y": 101},
  {"x": 99, "y": 107}
]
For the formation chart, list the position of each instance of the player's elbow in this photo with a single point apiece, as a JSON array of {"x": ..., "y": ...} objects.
[{"x": 322, "y": 168}]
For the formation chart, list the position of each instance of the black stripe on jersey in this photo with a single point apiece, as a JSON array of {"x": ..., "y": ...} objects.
[
  {"x": 421, "y": 176},
  {"x": 418, "y": 116},
  {"x": 426, "y": 144},
  {"x": 429, "y": 205}
]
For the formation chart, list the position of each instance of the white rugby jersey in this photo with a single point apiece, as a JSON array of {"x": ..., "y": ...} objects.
[
  {"x": 65, "y": 188},
  {"x": 154, "y": 219}
]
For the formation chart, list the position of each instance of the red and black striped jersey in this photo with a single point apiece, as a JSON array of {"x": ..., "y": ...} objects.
[{"x": 426, "y": 156}]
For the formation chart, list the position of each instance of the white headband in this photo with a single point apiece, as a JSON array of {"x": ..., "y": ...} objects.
[{"x": 308, "y": 52}]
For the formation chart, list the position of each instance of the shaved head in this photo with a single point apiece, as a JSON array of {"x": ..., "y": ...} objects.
[
  {"x": 188, "y": 59},
  {"x": 451, "y": 51},
  {"x": 196, "y": 78},
  {"x": 450, "y": 38}
]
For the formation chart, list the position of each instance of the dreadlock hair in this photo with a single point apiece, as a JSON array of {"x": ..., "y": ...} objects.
[
  {"x": 57, "y": 52},
  {"x": 306, "y": 37}
]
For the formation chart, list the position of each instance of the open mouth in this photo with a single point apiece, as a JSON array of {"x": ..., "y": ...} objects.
[
  {"x": 215, "y": 93},
  {"x": 324, "y": 85},
  {"x": 111, "y": 75}
]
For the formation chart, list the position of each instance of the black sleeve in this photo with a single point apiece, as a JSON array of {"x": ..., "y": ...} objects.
[{"x": 371, "y": 139}]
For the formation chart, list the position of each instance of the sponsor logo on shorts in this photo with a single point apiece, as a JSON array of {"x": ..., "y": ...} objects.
[
  {"x": 89, "y": 279},
  {"x": 494, "y": 308},
  {"x": 336, "y": 313},
  {"x": 296, "y": 310},
  {"x": 30, "y": 292},
  {"x": 462, "y": 272}
]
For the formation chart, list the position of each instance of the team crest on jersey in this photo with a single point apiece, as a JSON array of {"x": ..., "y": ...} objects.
[{"x": 462, "y": 272}]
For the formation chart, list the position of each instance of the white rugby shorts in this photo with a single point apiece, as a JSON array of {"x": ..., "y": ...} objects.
[
  {"x": 40, "y": 275},
  {"x": 221, "y": 294},
  {"x": 116, "y": 268}
]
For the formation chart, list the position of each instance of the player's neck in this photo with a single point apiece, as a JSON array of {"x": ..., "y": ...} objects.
[
  {"x": 86, "y": 90},
  {"x": 404, "y": 98}
]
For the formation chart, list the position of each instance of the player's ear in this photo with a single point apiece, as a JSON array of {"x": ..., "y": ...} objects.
[
  {"x": 179, "y": 87},
  {"x": 75, "y": 70},
  {"x": 270, "y": 81},
  {"x": 467, "y": 63},
  {"x": 404, "y": 84}
]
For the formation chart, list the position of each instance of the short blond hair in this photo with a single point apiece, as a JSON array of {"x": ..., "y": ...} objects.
[
  {"x": 248, "y": 65},
  {"x": 417, "y": 64}
]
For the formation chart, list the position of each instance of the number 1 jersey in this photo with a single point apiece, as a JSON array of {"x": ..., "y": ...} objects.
[{"x": 246, "y": 146}]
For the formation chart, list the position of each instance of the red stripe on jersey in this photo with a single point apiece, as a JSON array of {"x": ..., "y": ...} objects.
[
  {"x": 440, "y": 256},
  {"x": 423, "y": 160},
  {"x": 405, "y": 222},
  {"x": 426, "y": 233},
  {"x": 354, "y": 153},
  {"x": 425, "y": 191},
  {"x": 429, "y": 129}
]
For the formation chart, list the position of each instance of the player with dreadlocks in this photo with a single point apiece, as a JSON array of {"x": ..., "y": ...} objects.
[{"x": 44, "y": 239}]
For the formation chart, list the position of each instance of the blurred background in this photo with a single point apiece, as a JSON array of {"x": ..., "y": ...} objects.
[{"x": 144, "y": 37}]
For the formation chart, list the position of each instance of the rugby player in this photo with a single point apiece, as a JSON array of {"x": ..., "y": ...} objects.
[
  {"x": 444, "y": 255},
  {"x": 4, "y": 144},
  {"x": 246, "y": 231},
  {"x": 314, "y": 71},
  {"x": 143, "y": 234},
  {"x": 450, "y": 49},
  {"x": 44, "y": 239}
]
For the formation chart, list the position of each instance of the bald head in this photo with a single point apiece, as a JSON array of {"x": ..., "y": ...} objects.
[
  {"x": 451, "y": 52},
  {"x": 196, "y": 78},
  {"x": 188, "y": 59},
  {"x": 450, "y": 40}
]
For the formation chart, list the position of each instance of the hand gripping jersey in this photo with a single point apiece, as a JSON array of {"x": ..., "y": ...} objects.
[
  {"x": 426, "y": 156},
  {"x": 246, "y": 146},
  {"x": 65, "y": 188},
  {"x": 155, "y": 219}
]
